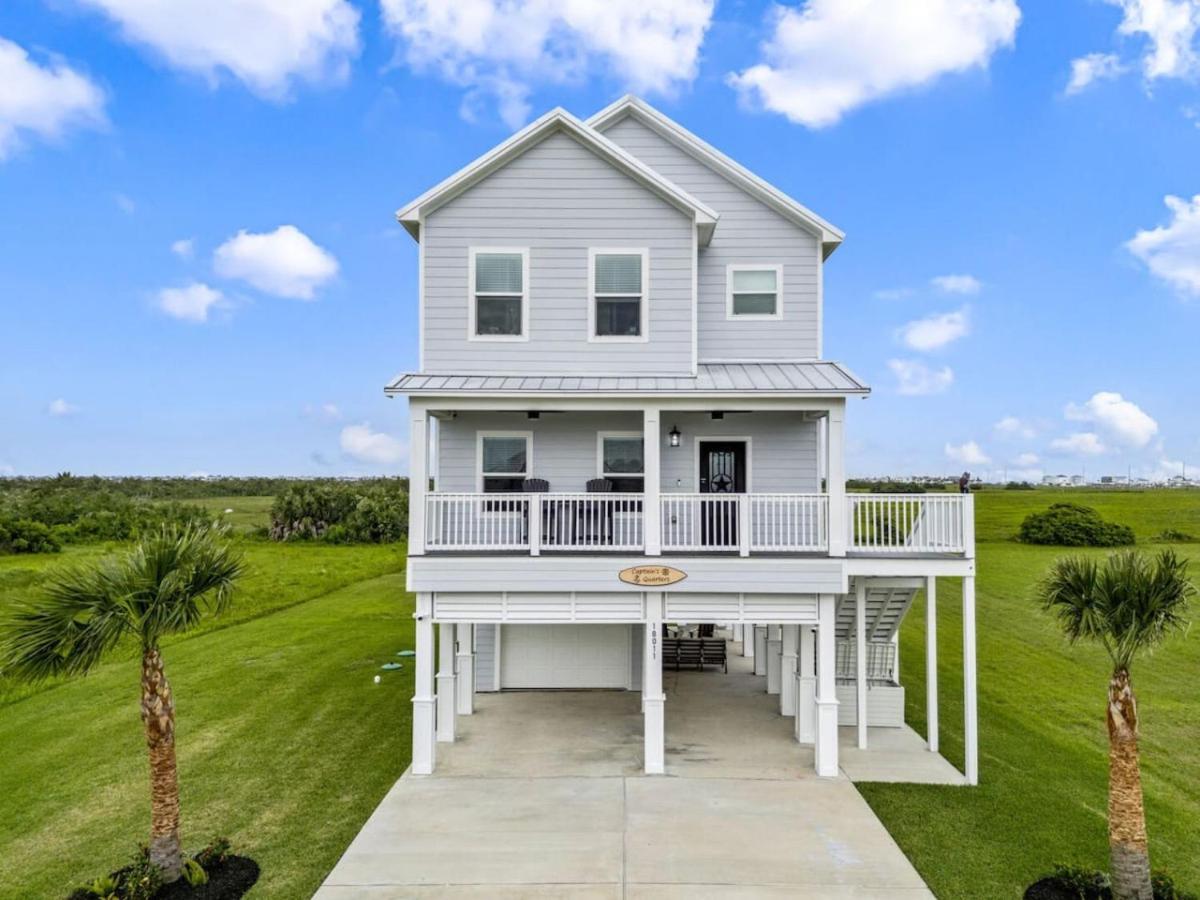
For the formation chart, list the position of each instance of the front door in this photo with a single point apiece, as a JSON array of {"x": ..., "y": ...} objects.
[{"x": 722, "y": 471}]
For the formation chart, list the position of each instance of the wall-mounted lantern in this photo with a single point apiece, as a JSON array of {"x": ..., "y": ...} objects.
[{"x": 674, "y": 436}]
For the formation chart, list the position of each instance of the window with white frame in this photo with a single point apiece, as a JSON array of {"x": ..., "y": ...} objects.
[
  {"x": 754, "y": 292},
  {"x": 618, "y": 294},
  {"x": 503, "y": 461},
  {"x": 499, "y": 298},
  {"x": 622, "y": 460}
]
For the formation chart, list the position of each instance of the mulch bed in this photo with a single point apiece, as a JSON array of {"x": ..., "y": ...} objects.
[
  {"x": 1055, "y": 888},
  {"x": 227, "y": 880}
]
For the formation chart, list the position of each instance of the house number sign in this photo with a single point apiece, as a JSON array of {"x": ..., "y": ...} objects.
[{"x": 651, "y": 576}]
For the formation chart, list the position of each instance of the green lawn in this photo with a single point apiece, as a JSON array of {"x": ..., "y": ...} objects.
[
  {"x": 1043, "y": 744},
  {"x": 240, "y": 513}
]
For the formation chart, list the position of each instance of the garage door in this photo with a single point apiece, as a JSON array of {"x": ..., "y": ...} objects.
[{"x": 564, "y": 656}]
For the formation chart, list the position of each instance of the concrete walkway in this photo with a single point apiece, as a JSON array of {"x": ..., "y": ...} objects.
[{"x": 542, "y": 796}]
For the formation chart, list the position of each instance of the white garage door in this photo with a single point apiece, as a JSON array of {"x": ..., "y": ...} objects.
[{"x": 564, "y": 656}]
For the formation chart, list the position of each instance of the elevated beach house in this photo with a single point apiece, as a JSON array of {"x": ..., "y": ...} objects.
[{"x": 627, "y": 445}]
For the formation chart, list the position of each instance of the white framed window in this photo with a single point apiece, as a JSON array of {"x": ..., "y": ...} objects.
[
  {"x": 754, "y": 291},
  {"x": 504, "y": 460},
  {"x": 498, "y": 294},
  {"x": 620, "y": 457},
  {"x": 618, "y": 305}
]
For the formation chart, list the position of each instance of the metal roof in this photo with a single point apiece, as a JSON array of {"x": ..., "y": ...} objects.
[{"x": 811, "y": 377}]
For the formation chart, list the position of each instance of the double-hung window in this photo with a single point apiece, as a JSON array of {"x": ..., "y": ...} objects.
[
  {"x": 622, "y": 461},
  {"x": 618, "y": 306},
  {"x": 754, "y": 291},
  {"x": 499, "y": 300},
  {"x": 503, "y": 461}
]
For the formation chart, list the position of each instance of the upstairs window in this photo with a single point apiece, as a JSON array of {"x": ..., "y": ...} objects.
[
  {"x": 618, "y": 299},
  {"x": 754, "y": 292},
  {"x": 503, "y": 461},
  {"x": 622, "y": 461},
  {"x": 499, "y": 294}
]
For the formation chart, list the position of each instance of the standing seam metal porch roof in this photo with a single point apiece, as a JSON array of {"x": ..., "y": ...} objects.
[{"x": 816, "y": 377}]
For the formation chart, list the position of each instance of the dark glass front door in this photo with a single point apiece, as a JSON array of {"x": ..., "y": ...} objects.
[{"x": 722, "y": 471}]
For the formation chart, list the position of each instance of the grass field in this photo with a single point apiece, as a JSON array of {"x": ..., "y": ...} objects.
[{"x": 286, "y": 745}]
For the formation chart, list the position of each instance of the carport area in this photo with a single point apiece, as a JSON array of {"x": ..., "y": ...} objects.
[{"x": 542, "y": 794}]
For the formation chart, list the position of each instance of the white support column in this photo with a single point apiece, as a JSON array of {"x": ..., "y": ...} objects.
[
  {"x": 806, "y": 686},
  {"x": 445, "y": 683},
  {"x": 748, "y": 641},
  {"x": 827, "y": 704},
  {"x": 835, "y": 479},
  {"x": 652, "y": 482},
  {"x": 860, "y": 660},
  {"x": 970, "y": 699},
  {"x": 418, "y": 477},
  {"x": 931, "y": 684},
  {"x": 760, "y": 649},
  {"x": 465, "y": 683},
  {"x": 423, "y": 749},
  {"x": 653, "y": 700},
  {"x": 774, "y": 659},
  {"x": 787, "y": 674}
]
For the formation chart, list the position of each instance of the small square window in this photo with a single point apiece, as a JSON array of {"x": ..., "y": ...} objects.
[{"x": 754, "y": 292}]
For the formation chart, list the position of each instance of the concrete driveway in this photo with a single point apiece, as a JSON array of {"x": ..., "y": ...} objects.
[{"x": 542, "y": 796}]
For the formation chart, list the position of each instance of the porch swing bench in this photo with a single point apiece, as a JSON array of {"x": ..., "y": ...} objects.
[{"x": 695, "y": 653}]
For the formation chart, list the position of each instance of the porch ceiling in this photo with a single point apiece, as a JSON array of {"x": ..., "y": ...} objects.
[{"x": 811, "y": 378}]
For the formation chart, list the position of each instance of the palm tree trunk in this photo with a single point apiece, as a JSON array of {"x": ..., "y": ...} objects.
[
  {"x": 1126, "y": 812},
  {"x": 158, "y": 716}
]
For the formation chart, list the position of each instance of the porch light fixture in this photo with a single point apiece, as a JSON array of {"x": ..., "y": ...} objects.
[{"x": 674, "y": 435}]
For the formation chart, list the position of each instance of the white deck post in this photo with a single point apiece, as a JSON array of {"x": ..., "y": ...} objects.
[
  {"x": 760, "y": 649},
  {"x": 774, "y": 659},
  {"x": 931, "y": 685},
  {"x": 653, "y": 699},
  {"x": 466, "y": 669},
  {"x": 418, "y": 477},
  {"x": 652, "y": 482},
  {"x": 787, "y": 674},
  {"x": 445, "y": 683},
  {"x": 423, "y": 749},
  {"x": 748, "y": 640},
  {"x": 970, "y": 700},
  {"x": 827, "y": 704},
  {"x": 835, "y": 478},
  {"x": 860, "y": 660},
  {"x": 806, "y": 686}
]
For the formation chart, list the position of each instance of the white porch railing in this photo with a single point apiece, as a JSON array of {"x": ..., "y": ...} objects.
[{"x": 877, "y": 524}]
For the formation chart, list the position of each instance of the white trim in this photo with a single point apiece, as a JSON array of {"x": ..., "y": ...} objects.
[
  {"x": 722, "y": 438},
  {"x": 421, "y": 301},
  {"x": 479, "y": 473},
  {"x": 600, "y": 438},
  {"x": 644, "y": 302},
  {"x": 411, "y": 216},
  {"x": 820, "y": 306},
  {"x": 731, "y": 268},
  {"x": 472, "y": 252},
  {"x": 629, "y": 105},
  {"x": 695, "y": 305}
]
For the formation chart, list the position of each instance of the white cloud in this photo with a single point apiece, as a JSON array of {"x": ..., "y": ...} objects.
[
  {"x": 184, "y": 248},
  {"x": 935, "y": 332},
  {"x": 1086, "y": 70},
  {"x": 266, "y": 44},
  {"x": 42, "y": 100},
  {"x": 1086, "y": 443},
  {"x": 323, "y": 412},
  {"x": 957, "y": 284},
  {"x": 1119, "y": 417},
  {"x": 968, "y": 454},
  {"x": 831, "y": 56},
  {"x": 191, "y": 302},
  {"x": 60, "y": 407},
  {"x": 284, "y": 262},
  {"x": 1170, "y": 26},
  {"x": 915, "y": 378},
  {"x": 1027, "y": 460},
  {"x": 893, "y": 293},
  {"x": 1011, "y": 426},
  {"x": 1172, "y": 251},
  {"x": 370, "y": 446},
  {"x": 501, "y": 49},
  {"x": 1165, "y": 469}
]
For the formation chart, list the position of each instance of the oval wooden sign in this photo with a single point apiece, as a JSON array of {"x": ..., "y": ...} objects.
[{"x": 652, "y": 576}]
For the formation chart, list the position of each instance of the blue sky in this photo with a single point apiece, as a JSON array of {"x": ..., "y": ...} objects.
[{"x": 200, "y": 270}]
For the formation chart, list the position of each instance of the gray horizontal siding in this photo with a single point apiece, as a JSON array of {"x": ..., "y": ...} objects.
[
  {"x": 558, "y": 199},
  {"x": 748, "y": 231},
  {"x": 783, "y": 450}
]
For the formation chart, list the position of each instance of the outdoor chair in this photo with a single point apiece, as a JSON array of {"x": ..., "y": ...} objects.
[
  {"x": 595, "y": 518},
  {"x": 539, "y": 486}
]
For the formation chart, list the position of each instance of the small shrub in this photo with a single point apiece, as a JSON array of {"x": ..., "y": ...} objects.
[
  {"x": 1019, "y": 486},
  {"x": 27, "y": 536},
  {"x": 215, "y": 853},
  {"x": 1079, "y": 883},
  {"x": 1174, "y": 536},
  {"x": 193, "y": 873},
  {"x": 142, "y": 878},
  {"x": 1072, "y": 525}
]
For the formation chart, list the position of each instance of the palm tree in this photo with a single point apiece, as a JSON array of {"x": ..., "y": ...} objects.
[
  {"x": 163, "y": 586},
  {"x": 1127, "y": 604}
]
